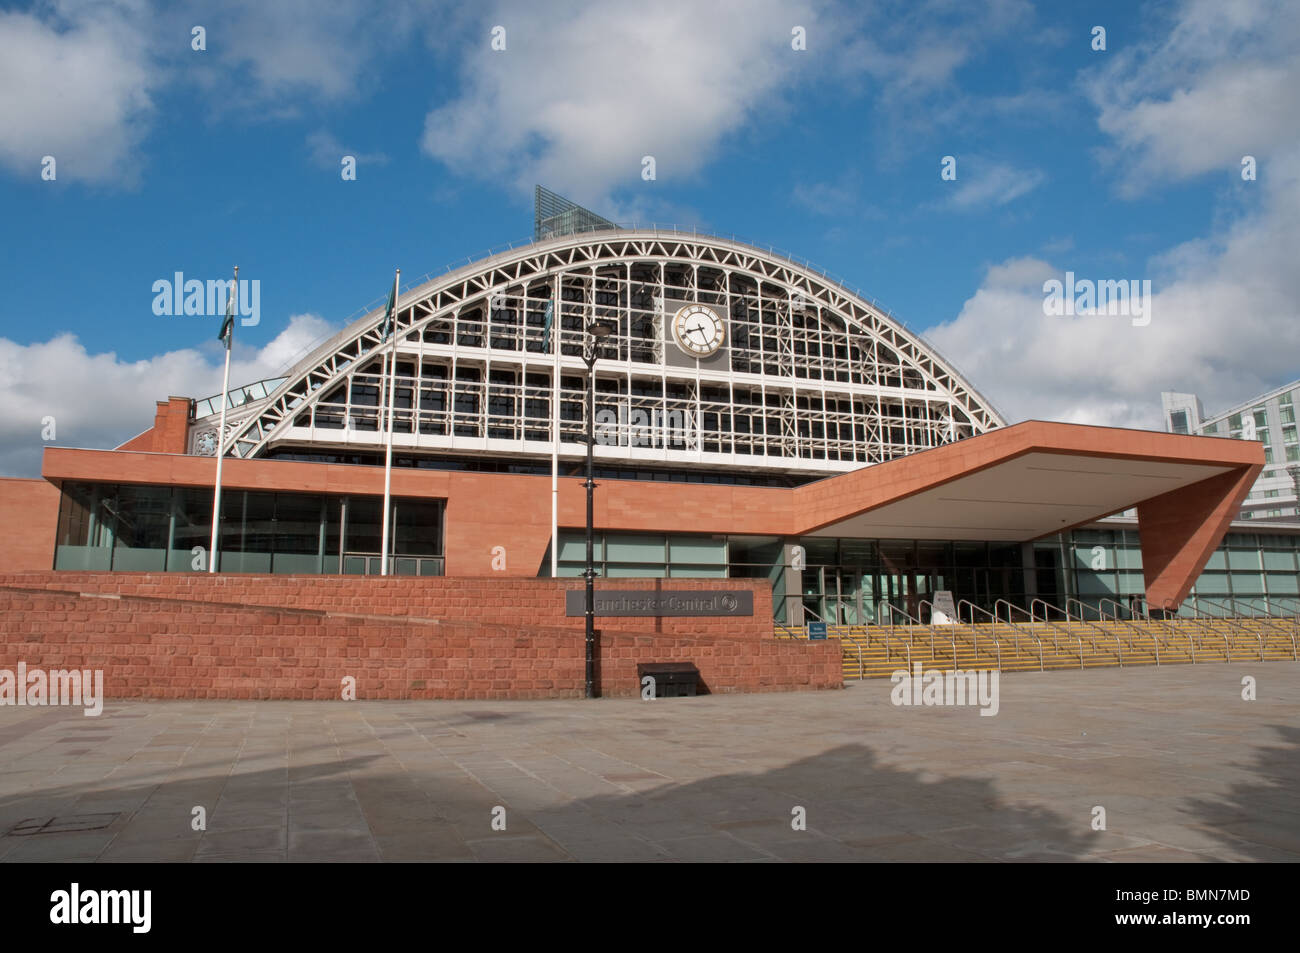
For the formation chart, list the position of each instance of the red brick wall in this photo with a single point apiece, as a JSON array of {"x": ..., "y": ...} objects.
[
  {"x": 170, "y": 430},
  {"x": 168, "y": 648},
  {"x": 1180, "y": 529},
  {"x": 487, "y": 599},
  {"x": 29, "y": 519}
]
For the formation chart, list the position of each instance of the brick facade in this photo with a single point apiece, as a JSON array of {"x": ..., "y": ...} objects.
[{"x": 182, "y": 636}]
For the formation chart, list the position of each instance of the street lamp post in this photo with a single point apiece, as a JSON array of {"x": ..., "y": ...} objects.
[{"x": 597, "y": 331}]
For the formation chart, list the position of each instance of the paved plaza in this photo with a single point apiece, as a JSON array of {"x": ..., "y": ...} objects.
[{"x": 1185, "y": 769}]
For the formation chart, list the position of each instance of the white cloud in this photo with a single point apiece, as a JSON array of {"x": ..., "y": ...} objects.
[
  {"x": 75, "y": 84},
  {"x": 1223, "y": 325},
  {"x": 261, "y": 52},
  {"x": 983, "y": 184},
  {"x": 100, "y": 401},
  {"x": 583, "y": 92},
  {"x": 1224, "y": 315},
  {"x": 1219, "y": 84},
  {"x": 78, "y": 78},
  {"x": 327, "y": 152}
]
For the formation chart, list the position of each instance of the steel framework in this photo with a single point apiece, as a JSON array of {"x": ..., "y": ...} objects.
[{"x": 812, "y": 377}]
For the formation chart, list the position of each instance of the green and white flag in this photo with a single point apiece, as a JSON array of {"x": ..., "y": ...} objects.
[
  {"x": 227, "y": 334},
  {"x": 386, "y": 328},
  {"x": 546, "y": 328}
]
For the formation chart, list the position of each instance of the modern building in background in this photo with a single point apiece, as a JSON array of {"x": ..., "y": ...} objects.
[
  {"x": 753, "y": 417},
  {"x": 1269, "y": 418}
]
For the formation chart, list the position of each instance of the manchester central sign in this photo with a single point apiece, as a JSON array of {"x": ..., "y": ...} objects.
[{"x": 664, "y": 602}]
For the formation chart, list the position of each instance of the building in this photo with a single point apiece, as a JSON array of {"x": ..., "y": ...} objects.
[
  {"x": 754, "y": 418},
  {"x": 1269, "y": 418}
]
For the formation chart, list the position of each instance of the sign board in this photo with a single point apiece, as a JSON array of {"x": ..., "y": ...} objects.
[
  {"x": 816, "y": 630},
  {"x": 662, "y": 602},
  {"x": 943, "y": 611}
]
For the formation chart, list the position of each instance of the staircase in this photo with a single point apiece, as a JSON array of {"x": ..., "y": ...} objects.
[{"x": 876, "y": 651}]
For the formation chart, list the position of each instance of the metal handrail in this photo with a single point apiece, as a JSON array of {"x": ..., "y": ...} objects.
[
  {"x": 1233, "y": 624},
  {"x": 1057, "y": 627},
  {"x": 1238, "y": 621},
  {"x": 1172, "y": 629},
  {"x": 920, "y": 614},
  {"x": 1046, "y": 605},
  {"x": 1273, "y": 623},
  {"x": 1015, "y": 629},
  {"x": 1119, "y": 651},
  {"x": 1295, "y": 620},
  {"x": 892, "y": 609},
  {"x": 1155, "y": 640},
  {"x": 1033, "y": 606}
]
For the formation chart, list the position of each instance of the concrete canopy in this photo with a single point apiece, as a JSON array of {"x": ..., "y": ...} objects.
[{"x": 1036, "y": 479}]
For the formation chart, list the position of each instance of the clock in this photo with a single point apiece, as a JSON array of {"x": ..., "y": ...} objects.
[{"x": 698, "y": 330}]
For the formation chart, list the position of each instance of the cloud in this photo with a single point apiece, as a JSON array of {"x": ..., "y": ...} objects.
[
  {"x": 1219, "y": 84},
  {"x": 78, "y": 78},
  {"x": 908, "y": 55},
  {"x": 75, "y": 84},
  {"x": 1223, "y": 326},
  {"x": 276, "y": 54},
  {"x": 326, "y": 151},
  {"x": 583, "y": 92},
  {"x": 1223, "y": 319},
  {"x": 100, "y": 401},
  {"x": 983, "y": 184}
]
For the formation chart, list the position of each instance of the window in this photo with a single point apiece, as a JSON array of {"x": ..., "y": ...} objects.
[{"x": 1178, "y": 421}]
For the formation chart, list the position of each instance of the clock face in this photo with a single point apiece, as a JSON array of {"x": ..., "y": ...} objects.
[{"x": 698, "y": 330}]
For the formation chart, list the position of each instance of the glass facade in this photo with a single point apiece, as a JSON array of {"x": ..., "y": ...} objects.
[
  {"x": 848, "y": 581},
  {"x": 127, "y": 527}
]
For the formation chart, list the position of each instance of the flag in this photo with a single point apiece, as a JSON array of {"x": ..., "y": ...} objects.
[
  {"x": 387, "y": 327},
  {"x": 546, "y": 328},
  {"x": 227, "y": 334}
]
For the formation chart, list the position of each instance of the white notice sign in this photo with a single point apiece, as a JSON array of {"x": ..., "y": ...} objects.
[{"x": 943, "y": 611}]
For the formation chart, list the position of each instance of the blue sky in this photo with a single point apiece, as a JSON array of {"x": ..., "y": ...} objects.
[{"x": 1123, "y": 163}]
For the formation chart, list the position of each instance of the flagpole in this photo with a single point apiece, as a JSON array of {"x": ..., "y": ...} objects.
[
  {"x": 388, "y": 453},
  {"x": 221, "y": 431},
  {"x": 555, "y": 434}
]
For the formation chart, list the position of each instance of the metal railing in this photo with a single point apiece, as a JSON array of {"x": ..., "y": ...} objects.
[
  {"x": 1016, "y": 631},
  {"x": 1057, "y": 627},
  {"x": 1119, "y": 651},
  {"x": 1235, "y": 621},
  {"x": 1155, "y": 639}
]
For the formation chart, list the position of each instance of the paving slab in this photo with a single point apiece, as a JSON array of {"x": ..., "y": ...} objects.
[{"x": 1184, "y": 768}]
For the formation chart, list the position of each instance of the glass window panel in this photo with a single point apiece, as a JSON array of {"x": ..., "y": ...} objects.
[
  {"x": 1247, "y": 582},
  {"x": 193, "y": 527},
  {"x": 825, "y": 552},
  {"x": 1283, "y": 583},
  {"x": 636, "y": 548},
  {"x": 1095, "y": 585},
  {"x": 1243, "y": 559},
  {"x": 1279, "y": 559},
  {"x": 696, "y": 549},
  {"x": 626, "y": 570},
  {"x": 417, "y": 528},
  {"x": 297, "y": 524},
  {"x": 573, "y": 548},
  {"x": 363, "y": 527},
  {"x": 1131, "y": 584},
  {"x": 1209, "y": 583},
  {"x": 698, "y": 572}
]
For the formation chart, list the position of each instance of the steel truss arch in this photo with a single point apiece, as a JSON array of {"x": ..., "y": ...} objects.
[{"x": 815, "y": 379}]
